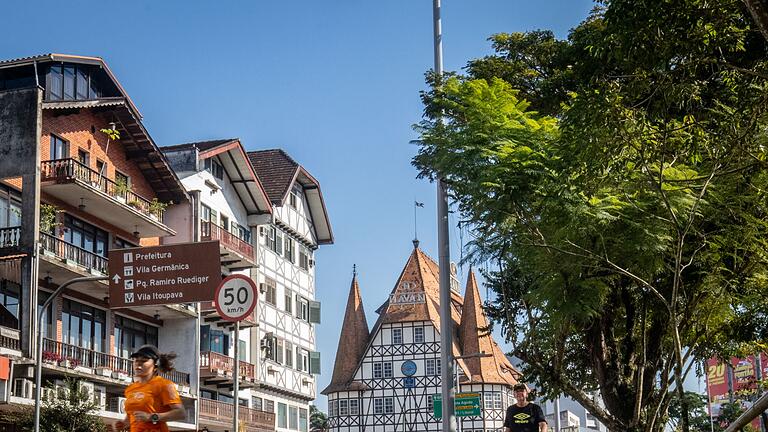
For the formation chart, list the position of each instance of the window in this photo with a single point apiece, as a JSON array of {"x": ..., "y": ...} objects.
[
  {"x": 293, "y": 418},
  {"x": 303, "y": 417},
  {"x": 433, "y": 367},
  {"x": 430, "y": 403},
  {"x": 10, "y": 293},
  {"x": 83, "y": 325},
  {"x": 214, "y": 340},
  {"x": 101, "y": 167},
  {"x": 418, "y": 335},
  {"x": 122, "y": 179},
  {"x": 225, "y": 222},
  {"x": 389, "y": 405},
  {"x": 215, "y": 168},
  {"x": 290, "y": 249},
  {"x": 378, "y": 370},
  {"x": 378, "y": 405},
  {"x": 304, "y": 255},
  {"x": 293, "y": 199},
  {"x": 85, "y": 236},
  {"x": 304, "y": 357},
  {"x": 288, "y": 301},
  {"x": 282, "y": 415},
  {"x": 70, "y": 82},
  {"x": 274, "y": 240},
  {"x": 397, "y": 336},
  {"x": 269, "y": 288},
  {"x": 122, "y": 244},
  {"x": 257, "y": 403},
  {"x": 241, "y": 232},
  {"x": 354, "y": 407},
  {"x": 242, "y": 350},
  {"x": 343, "y": 407},
  {"x": 130, "y": 334},
  {"x": 288, "y": 354},
  {"x": 387, "y": 369},
  {"x": 59, "y": 148},
  {"x": 302, "y": 308},
  {"x": 497, "y": 403},
  {"x": 269, "y": 405},
  {"x": 280, "y": 350},
  {"x": 10, "y": 207},
  {"x": 332, "y": 408},
  {"x": 84, "y": 157}
]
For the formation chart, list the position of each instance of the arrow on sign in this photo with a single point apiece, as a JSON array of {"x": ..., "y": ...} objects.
[{"x": 116, "y": 278}]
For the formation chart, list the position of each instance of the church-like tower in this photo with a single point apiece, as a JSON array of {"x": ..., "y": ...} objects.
[{"x": 370, "y": 391}]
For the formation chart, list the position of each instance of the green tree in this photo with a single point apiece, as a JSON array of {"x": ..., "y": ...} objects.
[
  {"x": 318, "y": 421},
  {"x": 627, "y": 217},
  {"x": 72, "y": 410}
]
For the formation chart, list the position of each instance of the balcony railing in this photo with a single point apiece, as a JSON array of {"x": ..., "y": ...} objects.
[
  {"x": 215, "y": 362},
  {"x": 211, "y": 231},
  {"x": 82, "y": 257},
  {"x": 9, "y": 237},
  {"x": 67, "y": 170},
  {"x": 225, "y": 412},
  {"x": 55, "y": 351},
  {"x": 9, "y": 338}
]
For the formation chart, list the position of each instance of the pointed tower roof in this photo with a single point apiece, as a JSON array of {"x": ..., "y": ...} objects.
[
  {"x": 475, "y": 337},
  {"x": 352, "y": 343}
]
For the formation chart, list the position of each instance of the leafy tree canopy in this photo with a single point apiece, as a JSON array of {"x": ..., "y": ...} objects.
[{"x": 618, "y": 180}]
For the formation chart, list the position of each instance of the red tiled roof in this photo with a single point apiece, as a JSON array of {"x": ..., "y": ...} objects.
[{"x": 352, "y": 343}]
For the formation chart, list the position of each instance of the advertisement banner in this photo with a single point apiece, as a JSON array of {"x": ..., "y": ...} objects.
[{"x": 738, "y": 382}]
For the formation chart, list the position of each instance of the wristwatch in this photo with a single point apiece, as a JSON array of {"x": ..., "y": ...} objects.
[{"x": 154, "y": 418}]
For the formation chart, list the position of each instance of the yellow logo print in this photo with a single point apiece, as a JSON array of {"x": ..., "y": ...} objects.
[{"x": 522, "y": 416}]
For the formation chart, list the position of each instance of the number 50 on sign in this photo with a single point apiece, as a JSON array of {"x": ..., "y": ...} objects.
[{"x": 236, "y": 297}]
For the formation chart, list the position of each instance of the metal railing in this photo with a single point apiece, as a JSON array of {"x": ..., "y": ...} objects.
[
  {"x": 225, "y": 412},
  {"x": 60, "y": 352},
  {"x": 211, "y": 231},
  {"x": 214, "y": 362},
  {"x": 82, "y": 257},
  {"x": 10, "y": 237},
  {"x": 64, "y": 170},
  {"x": 10, "y": 338}
]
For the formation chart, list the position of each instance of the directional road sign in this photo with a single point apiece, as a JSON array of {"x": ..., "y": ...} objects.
[
  {"x": 236, "y": 297},
  {"x": 155, "y": 275},
  {"x": 409, "y": 382},
  {"x": 465, "y": 404}
]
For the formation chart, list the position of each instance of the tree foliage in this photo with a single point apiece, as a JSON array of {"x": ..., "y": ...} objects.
[
  {"x": 72, "y": 410},
  {"x": 618, "y": 181},
  {"x": 318, "y": 420}
]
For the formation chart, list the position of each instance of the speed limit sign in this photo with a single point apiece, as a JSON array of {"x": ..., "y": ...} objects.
[{"x": 235, "y": 297}]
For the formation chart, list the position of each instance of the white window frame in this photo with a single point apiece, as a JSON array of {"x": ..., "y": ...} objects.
[
  {"x": 397, "y": 336},
  {"x": 389, "y": 405},
  {"x": 378, "y": 405},
  {"x": 418, "y": 335},
  {"x": 388, "y": 370},
  {"x": 378, "y": 370}
]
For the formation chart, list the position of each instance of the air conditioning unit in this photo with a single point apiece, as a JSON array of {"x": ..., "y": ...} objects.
[
  {"x": 87, "y": 388},
  {"x": 262, "y": 288},
  {"x": 49, "y": 394},
  {"x": 100, "y": 397},
  {"x": 62, "y": 389},
  {"x": 23, "y": 388},
  {"x": 117, "y": 404}
]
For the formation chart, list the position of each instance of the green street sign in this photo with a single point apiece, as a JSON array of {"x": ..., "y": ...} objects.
[{"x": 465, "y": 405}]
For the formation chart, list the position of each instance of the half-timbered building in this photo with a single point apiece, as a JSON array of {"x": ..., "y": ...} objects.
[{"x": 386, "y": 379}]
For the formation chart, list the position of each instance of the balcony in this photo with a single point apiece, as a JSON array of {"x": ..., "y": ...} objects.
[
  {"x": 9, "y": 240},
  {"x": 82, "y": 187},
  {"x": 216, "y": 369},
  {"x": 9, "y": 338},
  {"x": 211, "y": 316},
  {"x": 96, "y": 363},
  {"x": 220, "y": 414},
  {"x": 63, "y": 261},
  {"x": 235, "y": 252}
]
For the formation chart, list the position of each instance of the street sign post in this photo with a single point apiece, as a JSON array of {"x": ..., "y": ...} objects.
[
  {"x": 156, "y": 275},
  {"x": 236, "y": 297},
  {"x": 409, "y": 382},
  {"x": 465, "y": 405}
]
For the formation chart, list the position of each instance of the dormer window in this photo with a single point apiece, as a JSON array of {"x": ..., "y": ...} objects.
[
  {"x": 214, "y": 168},
  {"x": 70, "y": 82}
]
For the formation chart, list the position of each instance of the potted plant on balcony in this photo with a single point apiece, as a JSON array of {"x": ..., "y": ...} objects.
[
  {"x": 51, "y": 357},
  {"x": 156, "y": 208},
  {"x": 121, "y": 190}
]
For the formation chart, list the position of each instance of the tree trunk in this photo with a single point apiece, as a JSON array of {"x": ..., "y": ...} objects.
[{"x": 759, "y": 11}]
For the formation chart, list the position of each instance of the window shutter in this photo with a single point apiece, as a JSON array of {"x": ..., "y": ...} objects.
[
  {"x": 314, "y": 312},
  {"x": 314, "y": 362}
]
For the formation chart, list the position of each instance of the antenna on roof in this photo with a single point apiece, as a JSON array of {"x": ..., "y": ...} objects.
[{"x": 354, "y": 270}]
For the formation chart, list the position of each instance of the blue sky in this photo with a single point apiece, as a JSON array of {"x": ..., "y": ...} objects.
[{"x": 335, "y": 83}]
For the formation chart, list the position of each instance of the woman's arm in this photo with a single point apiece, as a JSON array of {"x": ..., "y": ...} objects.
[{"x": 177, "y": 412}]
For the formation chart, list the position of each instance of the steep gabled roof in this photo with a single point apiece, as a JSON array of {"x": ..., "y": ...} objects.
[
  {"x": 116, "y": 107},
  {"x": 278, "y": 173},
  {"x": 475, "y": 337},
  {"x": 234, "y": 160},
  {"x": 352, "y": 343}
]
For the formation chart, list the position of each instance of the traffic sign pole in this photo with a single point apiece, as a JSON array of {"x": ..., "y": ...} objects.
[{"x": 236, "y": 375}]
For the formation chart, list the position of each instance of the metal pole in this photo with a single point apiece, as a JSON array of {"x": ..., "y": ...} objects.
[
  {"x": 557, "y": 414},
  {"x": 446, "y": 323},
  {"x": 236, "y": 375},
  {"x": 39, "y": 353}
]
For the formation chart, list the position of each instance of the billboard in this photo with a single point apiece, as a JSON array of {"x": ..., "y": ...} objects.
[{"x": 735, "y": 381}]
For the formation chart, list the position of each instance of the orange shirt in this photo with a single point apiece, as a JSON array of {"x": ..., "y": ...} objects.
[{"x": 155, "y": 396}]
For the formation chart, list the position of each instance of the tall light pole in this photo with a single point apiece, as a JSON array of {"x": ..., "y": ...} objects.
[{"x": 444, "y": 252}]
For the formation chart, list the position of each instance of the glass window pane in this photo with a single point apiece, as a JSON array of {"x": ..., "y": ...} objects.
[
  {"x": 82, "y": 84},
  {"x": 54, "y": 83},
  {"x": 69, "y": 82}
]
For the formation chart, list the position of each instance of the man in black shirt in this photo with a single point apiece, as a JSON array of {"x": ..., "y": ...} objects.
[{"x": 524, "y": 416}]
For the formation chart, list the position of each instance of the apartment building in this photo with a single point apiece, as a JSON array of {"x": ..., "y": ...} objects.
[
  {"x": 70, "y": 191},
  {"x": 284, "y": 343},
  {"x": 228, "y": 202}
]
